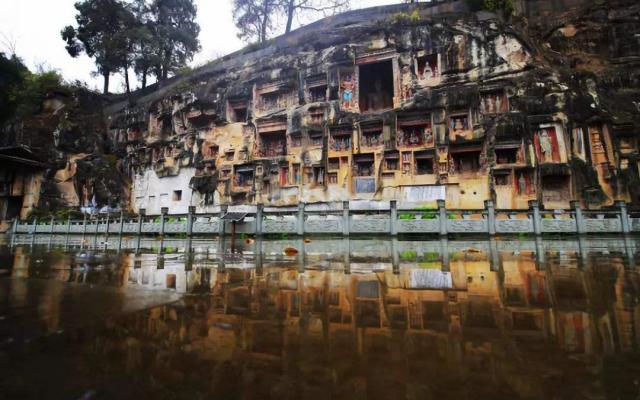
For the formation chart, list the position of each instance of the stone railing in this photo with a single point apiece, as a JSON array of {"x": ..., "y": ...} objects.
[{"x": 350, "y": 218}]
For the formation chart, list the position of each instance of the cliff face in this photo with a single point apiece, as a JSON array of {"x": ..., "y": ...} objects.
[
  {"x": 408, "y": 102},
  {"x": 57, "y": 157}
]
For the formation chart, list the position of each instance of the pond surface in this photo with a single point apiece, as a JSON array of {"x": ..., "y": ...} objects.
[{"x": 110, "y": 318}]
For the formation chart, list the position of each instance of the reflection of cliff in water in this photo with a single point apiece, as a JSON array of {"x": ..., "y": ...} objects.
[{"x": 481, "y": 321}]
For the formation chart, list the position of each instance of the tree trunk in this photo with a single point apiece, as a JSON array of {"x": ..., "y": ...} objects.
[
  {"x": 126, "y": 79},
  {"x": 144, "y": 78},
  {"x": 290, "y": 11},
  {"x": 106, "y": 74},
  {"x": 265, "y": 21}
]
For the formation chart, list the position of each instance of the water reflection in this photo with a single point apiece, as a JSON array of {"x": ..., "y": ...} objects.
[{"x": 357, "y": 318}]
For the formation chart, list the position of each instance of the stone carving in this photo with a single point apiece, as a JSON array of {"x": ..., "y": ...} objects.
[
  {"x": 323, "y": 226},
  {"x": 558, "y": 225},
  {"x": 279, "y": 226},
  {"x": 175, "y": 227},
  {"x": 603, "y": 225},
  {"x": 514, "y": 226},
  {"x": 150, "y": 227},
  {"x": 467, "y": 225},
  {"x": 370, "y": 225},
  {"x": 206, "y": 227},
  {"x": 419, "y": 226}
]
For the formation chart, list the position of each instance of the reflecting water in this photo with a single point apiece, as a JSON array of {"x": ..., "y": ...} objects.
[{"x": 325, "y": 318}]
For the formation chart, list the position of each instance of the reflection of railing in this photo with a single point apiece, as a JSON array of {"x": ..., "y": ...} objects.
[{"x": 381, "y": 217}]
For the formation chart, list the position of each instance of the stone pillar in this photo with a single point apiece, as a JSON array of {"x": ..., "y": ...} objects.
[
  {"x": 190, "y": 218},
  {"x": 540, "y": 255},
  {"x": 257, "y": 251},
  {"x": 300, "y": 219},
  {"x": 346, "y": 254},
  {"x": 106, "y": 231},
  {"x": 444, "y": 252},
  {"x": 221, "y": 225},
  {"x": 121, "y": 227},
  {"x": 537, "y": 222},
  {"x": 84, "y": 225},
  {"x": 577, "y": 214},
  {"x": 51, "y": 223},
  {"x": 259, "y": 218},
  {"x": 395, "y": 256},
  {"x": 624, "y": 216},
  {"x": 494, "y": 255},
  {"x": 393, "y": 205},
  {"x": 14, "y": 227},
  {"x": 141, "y": 213},
  {"x": 68, "y": 224},
  {"x": 346, "y": 223},
  {"x": 300, "y": 257},
  {"x": 491, "y": 217},
  {"x": 442, "y": 217},
  {"x": 163, "y": 219},
  {"x": 34, "y": 227}
]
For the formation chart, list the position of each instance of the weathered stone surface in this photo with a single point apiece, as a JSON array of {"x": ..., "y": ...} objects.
[{"x": 413, "y": 103}]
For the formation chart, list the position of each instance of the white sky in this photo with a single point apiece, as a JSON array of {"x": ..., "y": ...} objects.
[{"x": 34, "y": 26}]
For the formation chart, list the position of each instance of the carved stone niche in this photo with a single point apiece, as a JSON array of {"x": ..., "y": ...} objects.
[
  {"x": 415, "y": 130},
  {"x": 428, "y": 67},
  {"x": 272, "y": 137},
  {"x": 316, "y": 88},
  {"x": 494, "y": 102},
  {"x": 460, "y": 128},
  {"x": 275, "y": 96},
  {"x": 378, "y": 81},
  {"x": 237, "y": 110}
]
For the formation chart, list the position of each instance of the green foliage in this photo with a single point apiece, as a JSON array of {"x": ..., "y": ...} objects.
[
  {"x": 498, "y": 6},
  {"x": 407, "y": 216},
  {"x": 157, "y": 37},
  {"x": 409, "y": 255},
  {"x": 505, "y": 6},
  {"x": 22, "y": 92},
  {"x": 12, "y": 75},
  {"x": 102, "y": 34}
]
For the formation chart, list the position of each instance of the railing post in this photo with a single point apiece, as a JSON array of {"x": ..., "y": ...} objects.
[
  {"x": 393, "y": 219},
  {"x": 300, "y": 219},
  {"x": 537, "y": 223},
  {"x": 345, "y": 218},
  {"x": 624, "y": 216},
  {"x": 84, "y": 225},
  {"x": 14, "y": 227},
  {"x": 192, "y": 211},
  {"x": 221, "y": 224},
  {"x": 577, "y": 214},
  {"x": 491, "y": 217},
  {"x": 259, "y": 217},
  {"x": 51, "y": 221},
  {"x": 34, "y": 228},
  {"x": 68, "y": 224},
  {"x": 163, "y": 218},
  {"x": 106, "y": 231},
  {"x": 141, "y": 213},
  {"x": 442, "y": 217},
  {"x": 121, "y": 227}
]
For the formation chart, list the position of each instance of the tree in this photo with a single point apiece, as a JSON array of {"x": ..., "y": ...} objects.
[
  {"x": 293, "y": 8},
  {"x": 99, "y": 34},
  {"x": 12, "y": 75},
  {"x": 146, "y": 44},
  {"x": 175, "y": 32},
  {"x": 255, "y": 18}
]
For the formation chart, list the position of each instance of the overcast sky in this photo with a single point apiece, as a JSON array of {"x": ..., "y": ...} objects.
[{"x": 34, "y": 26}]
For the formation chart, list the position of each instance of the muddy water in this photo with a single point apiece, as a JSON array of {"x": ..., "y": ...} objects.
[{"x": 328, "y": 319}]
